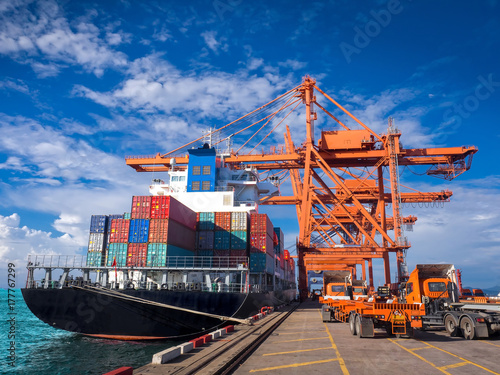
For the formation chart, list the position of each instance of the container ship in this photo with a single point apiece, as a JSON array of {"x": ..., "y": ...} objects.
[{"x": 193, "y": 255}]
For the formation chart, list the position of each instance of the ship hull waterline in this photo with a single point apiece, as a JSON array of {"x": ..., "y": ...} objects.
[{"x": 100, "y": 315}]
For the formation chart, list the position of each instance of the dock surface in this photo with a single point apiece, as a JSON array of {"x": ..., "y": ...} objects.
[{"x": 304, "y": 344}]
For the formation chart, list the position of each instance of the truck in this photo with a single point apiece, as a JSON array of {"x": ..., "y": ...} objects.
[
  {"x": 435, "y": 287},
  {"x": 429, "y": 298},
  {"x": 339, "y": 285}
]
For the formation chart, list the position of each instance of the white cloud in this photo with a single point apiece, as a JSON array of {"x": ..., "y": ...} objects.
[
  {"x": 210, "y": 38},
  {"x": 293, "y": 64},
  {"x": 45, "y": 32},
  {"x": 50, "y": 154},
  {"x": 155, "y": 85}
]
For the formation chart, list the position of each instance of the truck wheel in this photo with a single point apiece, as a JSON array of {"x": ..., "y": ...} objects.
[
  {"x": 358, "y": 325},
  {"x": 451, "y": 326},
  {"x": 352, "y": 324},
  {"x": 468, "y": 328}
]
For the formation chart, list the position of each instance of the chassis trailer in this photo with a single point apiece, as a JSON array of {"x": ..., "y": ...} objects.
[{"x": 365, "y": 316}]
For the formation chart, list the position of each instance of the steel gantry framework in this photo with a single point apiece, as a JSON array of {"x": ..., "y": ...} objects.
[{"x": 339, "y": 189}]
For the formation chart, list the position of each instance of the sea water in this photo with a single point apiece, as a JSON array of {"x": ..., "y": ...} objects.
[{"x": 29, "y": 346}]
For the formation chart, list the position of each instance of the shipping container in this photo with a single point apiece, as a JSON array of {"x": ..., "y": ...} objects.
[
  {"x": 238, "y": 253},
  {"x": 94, "y": 259},
  {"x": 204, "y": 253},
  {"x": 261, "y": 262},
  {"x": 119, "y": 230},
  {"x": 281, "y": 239},
  {"x": 223, "y": 221},
  {"x": 239, "y": 240},
  {"x": 98, "y": 223},
  {"x": 260, "y": 223},
  {"x": 139, "y": 231},
  {"x": 171, "y": 232},
  {"x": 159, "y": 253},
  {"x": 166, "y": 207},
  {"x": 221, "y": 253},
  {"x": 239, "y": 221},
  {"x": 222, "y": 240},
  {"x": 141, "y": 207},
  {"x": 97, "y": 242},
  {"x": 286, "y": 255},
  {"x": 126, "y": 216},
  {"x": 110, "y": 218},
  {"x": 206, "y": 221},
  {"x": 136, "y": 255},
  {"x": 282, "y": 262},
  {"x": 261, "y": 243},
  {"x": 118, "y": 251},
  {"x": 205, "y": 240}
]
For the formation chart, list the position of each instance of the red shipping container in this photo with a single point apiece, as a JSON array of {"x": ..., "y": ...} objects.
[
  {"x": 137, "y": 254},
  {"x": 221, "y": 253},
  {"x": 119, "y": 230},
  {"x": 238, "y": 253},
  {"x": 167, "y": 207},
  {"x": 286, "y": 254},
  {"x": 261, "y": 243},
  {"x": 260, "y": 223},
  {"x": 141, "y": 207},
  {"x": 172, "y": 233},
  {"x": 223, "y": 221}
]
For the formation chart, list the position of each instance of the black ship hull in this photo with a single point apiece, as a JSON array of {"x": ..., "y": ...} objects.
[{"x": 91, "y": 313}]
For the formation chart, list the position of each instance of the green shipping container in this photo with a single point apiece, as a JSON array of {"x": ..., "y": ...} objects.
[
  {"x": 158, "y": 254},
  {"x": 94, "y": 259},
  {"x": 118, "y": 251}
]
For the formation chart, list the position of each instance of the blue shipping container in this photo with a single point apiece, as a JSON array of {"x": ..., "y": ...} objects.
[
  {"x": 222, "y": 240},
  {"x": 139, "y": 231},
  {"x": 261, "y": 262},
  {"x": 118, "y": 250},
  {"x": 207, "y": 221},
  {"x": 239, "y": 240},
  {"x": 98, "y": 223},
  {"x": 205, "y": 240}
]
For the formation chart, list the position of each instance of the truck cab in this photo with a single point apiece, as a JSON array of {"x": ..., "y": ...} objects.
[
  {"x": 433, "y": 285},
  {"x": 337, "y": 285}
]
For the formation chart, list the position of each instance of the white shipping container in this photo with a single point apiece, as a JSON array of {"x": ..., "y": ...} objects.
[
  {"x": 239, "y": 221},
  {"x": 96, "y": 242}
]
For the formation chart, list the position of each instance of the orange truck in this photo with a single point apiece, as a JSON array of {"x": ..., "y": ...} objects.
[
  {"x": 435, "y": 287},
  {"x": 428, "y": 299}
]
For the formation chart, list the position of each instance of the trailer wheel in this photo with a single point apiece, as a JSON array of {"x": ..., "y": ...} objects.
[
  {"x": 352, "y": 324},
  {"x": 358, "y": 325},
  {"x": 468, "y": 328},
  {"x": 451, "y": 326}
]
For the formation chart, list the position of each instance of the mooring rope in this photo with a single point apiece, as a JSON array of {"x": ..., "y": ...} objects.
[{"x": 116, "y": 294}]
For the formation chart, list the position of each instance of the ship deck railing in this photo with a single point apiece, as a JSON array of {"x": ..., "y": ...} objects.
[
  {"x": 214, "y": 287},
  {"x": 185, "y": 263}
]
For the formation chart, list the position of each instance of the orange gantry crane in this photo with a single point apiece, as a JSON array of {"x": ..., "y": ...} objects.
[{"x": 342, "y": 183}]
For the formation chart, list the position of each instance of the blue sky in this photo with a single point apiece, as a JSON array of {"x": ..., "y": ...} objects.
[{"x": 85, "y": 83}]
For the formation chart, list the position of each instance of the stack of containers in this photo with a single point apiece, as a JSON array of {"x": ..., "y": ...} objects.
[
  {"x": 172, "y": 231},
  {"x": 118, "y": 242},
  {"x": 222, "y": 235},
  {"x": 286, "y": 264},
  {"x": 261, "y": 244},
  {"x": 97, "y": 240},
  {"x": 239, "y": 234},
  {"x": 205, "y": 235},
  {"x": 278, "y": 251}
]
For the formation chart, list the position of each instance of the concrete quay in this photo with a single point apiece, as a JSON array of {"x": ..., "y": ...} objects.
[{"x": 303, "y": 344}]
